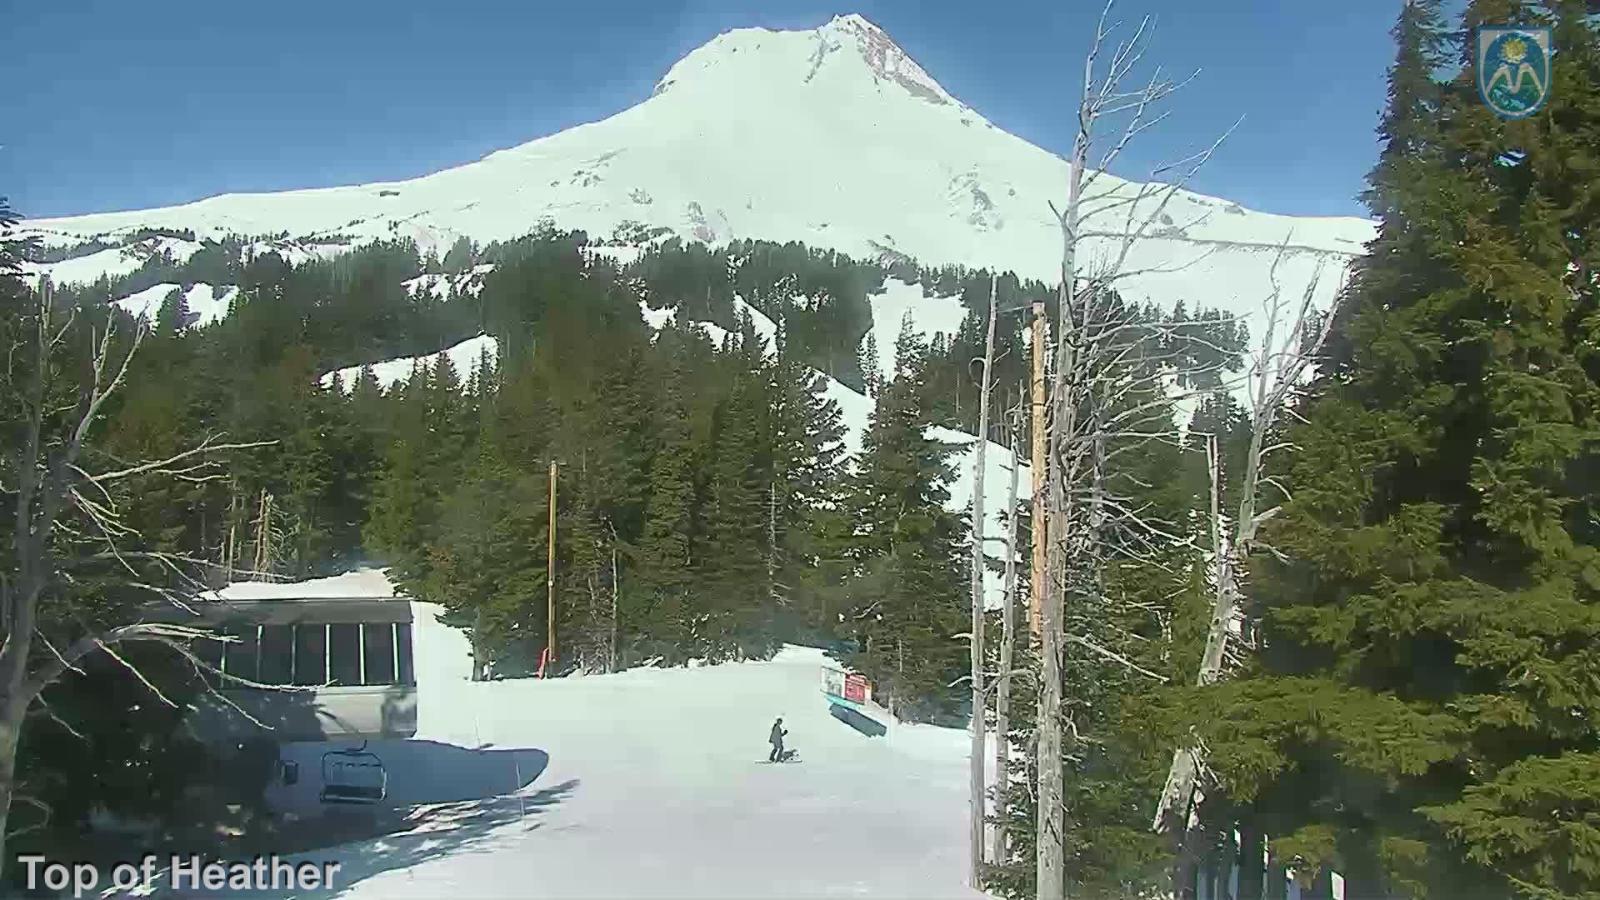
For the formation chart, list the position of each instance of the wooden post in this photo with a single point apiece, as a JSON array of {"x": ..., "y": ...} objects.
[
  {"x": 550, "y": 578},
  {"x": 1037, "y": 568}
]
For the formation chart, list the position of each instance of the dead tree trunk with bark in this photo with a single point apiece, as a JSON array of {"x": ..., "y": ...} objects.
[
  {"x": 1278, "y": 367},
  {"x": 1080, "y": 430},
  {"x": 1008, "y": 643},
  {"x": 976, "y": 792},
  {"x": 611, "y": 656}
]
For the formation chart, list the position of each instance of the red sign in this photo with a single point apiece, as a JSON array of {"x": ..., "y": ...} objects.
[{"x": 855, "y": 688}]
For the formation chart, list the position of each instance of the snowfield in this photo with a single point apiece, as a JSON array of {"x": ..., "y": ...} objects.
[{"x": 647, "y": 783}]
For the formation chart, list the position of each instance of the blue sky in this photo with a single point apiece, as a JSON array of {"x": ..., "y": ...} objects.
[{"x": 127, "y": 105}]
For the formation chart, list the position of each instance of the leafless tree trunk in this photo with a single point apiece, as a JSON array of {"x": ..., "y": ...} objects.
[
  {"x": 1077, "y": 506},
  {"x": 1277, "y": 369},
  {"x": 61, "y": 509},
  {"x": 1008, "y": 640},
  {"x": 230, "y": 552},
  {"x": 772, "y": 541},
  {"x": 975, "y": 760},
  {"x": 611, "y": 665}
]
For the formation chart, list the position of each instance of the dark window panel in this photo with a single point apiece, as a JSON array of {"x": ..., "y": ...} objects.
[
  {"x": 241, "y": 656},
  {"x": 378, "y": 638},
  {"x": 402, "y": 643},
  {"x": 310, "y": 654},
  {"x": 277, "y": 654},
  {"x": 344, "y": 654},
  {"x": 210, "y": 653}
]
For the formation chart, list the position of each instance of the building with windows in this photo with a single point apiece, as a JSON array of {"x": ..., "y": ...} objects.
[{"x": 343, "y": 643}]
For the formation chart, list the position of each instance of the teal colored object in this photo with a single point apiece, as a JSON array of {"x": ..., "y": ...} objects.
[{"x": 847, "y": 713}]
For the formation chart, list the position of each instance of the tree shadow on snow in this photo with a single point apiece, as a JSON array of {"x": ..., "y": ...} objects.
[
  {"x": 442, "y": 799},
  {"x": 430, "y": 832}
]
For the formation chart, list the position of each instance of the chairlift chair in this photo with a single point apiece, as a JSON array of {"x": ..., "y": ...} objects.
[{"x": 353, "y": 776}]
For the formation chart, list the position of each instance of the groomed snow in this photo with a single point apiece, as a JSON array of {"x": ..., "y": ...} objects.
[
  {"x": 651, "y": 783},
  {"x": 464, "y": 358}
]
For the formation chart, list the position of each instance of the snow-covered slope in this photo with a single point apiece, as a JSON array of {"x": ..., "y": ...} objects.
[
  {"x": 930, "y": 315},
  {"x": 464, "y": 357},
  {"x": 651, "y": 783},
  {"x": 831, "y": 136},
  {"x": 206, "y": 303},
  {"x": 441, "y": 286}
]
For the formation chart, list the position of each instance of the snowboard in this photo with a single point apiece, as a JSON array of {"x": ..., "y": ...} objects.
[{"x": 788, "y": 757}]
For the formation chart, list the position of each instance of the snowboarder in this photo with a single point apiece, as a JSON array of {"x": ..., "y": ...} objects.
[{"x": 776, "y": 740}]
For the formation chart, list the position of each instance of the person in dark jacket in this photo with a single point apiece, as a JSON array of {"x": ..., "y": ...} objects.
[{"x": 776, "y": 740}]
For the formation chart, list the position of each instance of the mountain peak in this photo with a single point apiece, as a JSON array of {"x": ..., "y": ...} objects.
[
  {"x": 884, "y": 58},
  {"x": 849, "y": 52}
]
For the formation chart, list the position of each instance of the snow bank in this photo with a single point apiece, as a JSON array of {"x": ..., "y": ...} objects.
[
  {"x": 622, "y": 255},
  {"x": 657, "y": 319},
  {"x": 111, "y": 263},
  {"x": 364, "y": 582},
  {"x": 146, "y": 303},
  {"x": 997, "y": 462}
]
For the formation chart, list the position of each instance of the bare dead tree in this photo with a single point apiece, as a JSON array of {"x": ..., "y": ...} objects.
[
  {"x": 611, "y": 648},
  {"x": 976, "y": 790},
  {"x": 60, "y": 371},
  {"x": 1084, "y": 415},
  {"x": 1008, "y": 640},
  {"x": 1290, "y": 344}
]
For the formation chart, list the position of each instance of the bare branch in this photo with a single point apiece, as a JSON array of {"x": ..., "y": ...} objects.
[
  {"x": 205, "y": 447},
  {"x": 106, "y": 648},
  {"x": 1129, "y": 664}
]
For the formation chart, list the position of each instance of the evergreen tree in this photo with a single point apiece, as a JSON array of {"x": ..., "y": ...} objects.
[
  {"x": 736, "y": 525},
  {"x": 173, "y": 314},
  {"x": 667, "y": 548},
  {"x": 1422, "y": 717},
  {"x": 870, "y": 366},
  {"x": 805, "y": 527},
  {"x": 909, "y": 602}
]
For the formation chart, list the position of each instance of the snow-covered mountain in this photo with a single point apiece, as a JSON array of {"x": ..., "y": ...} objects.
[{"x": 833, "y": 136}]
